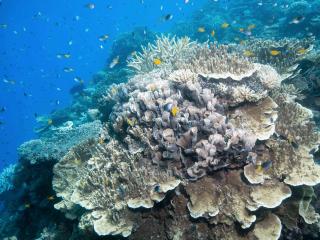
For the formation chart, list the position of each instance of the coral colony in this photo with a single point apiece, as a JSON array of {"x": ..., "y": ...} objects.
[{"x": 206, "y": 144}]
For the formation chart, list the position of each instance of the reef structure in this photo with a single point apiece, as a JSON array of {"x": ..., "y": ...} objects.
[{"x": 206, "y": 137}]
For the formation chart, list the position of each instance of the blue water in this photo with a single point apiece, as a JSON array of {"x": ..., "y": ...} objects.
[{"x": 39, "y": 30}]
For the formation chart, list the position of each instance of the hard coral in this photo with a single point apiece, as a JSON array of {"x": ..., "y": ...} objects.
[{"x": 210, "y": 130}]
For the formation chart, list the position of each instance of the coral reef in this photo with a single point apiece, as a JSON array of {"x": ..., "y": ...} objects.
[
  {"x": 203, "y": 143},
  {"x": 230, "y": 160}
]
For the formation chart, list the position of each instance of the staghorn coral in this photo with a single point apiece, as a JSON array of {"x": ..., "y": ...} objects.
[
  {"x": 236, "y": 157},
  {"x": 167, "y": 49},
  {"x": 291, "y": 50}
]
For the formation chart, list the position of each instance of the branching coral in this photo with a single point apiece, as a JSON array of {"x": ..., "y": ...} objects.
[{"x": 288, "y": 51}]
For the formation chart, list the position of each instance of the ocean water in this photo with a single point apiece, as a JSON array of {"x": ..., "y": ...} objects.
[{"x": 60, "y": 62}]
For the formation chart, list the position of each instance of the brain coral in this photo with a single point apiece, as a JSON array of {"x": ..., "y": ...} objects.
[{"x": 204, "y": 124}]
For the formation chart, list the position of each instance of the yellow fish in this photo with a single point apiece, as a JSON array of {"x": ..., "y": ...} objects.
[
  {"x": 156, "y": 61},
  {"x": 212, "y": 33},
  {"x": 241, "y": 29},
  {"x": 248, "y": 53},
  {"x": 131, "y": 122},
  {"x": 225, "y": 25},
  {"x": 27, "y": 205},
  {"x": 50, "y": 121},
  {"x": 174, "y": 111},
  {"x": 201, "y": 29},
  {"x": 275, "y": 52},
  {"x": 101, "y": 141},
  {"x": 301, "y": 51},
  {"x": 251, "y": 26},
  {"x": 51, "y": 198}
]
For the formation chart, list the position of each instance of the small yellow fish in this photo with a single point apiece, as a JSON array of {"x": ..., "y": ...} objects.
[
  {"x": 103, "y": 37},
  {"x": 225, "y": 25},
  {"x": 131, "y": 122},
  {"x": 174, "y": 111},
  {"x": 156, "y": 61},
  {"x": 51, "y": 198},
  {"x": 212, "y": 33},
  {"x": 201, "y": 29},
  {"x": 27, "y": 205},
  {"x": 114, "y": 90},
  {"x": 50, "y": 121},
  {"x": 274, "y": 52},
  {"x": 114, "y": 62},
  {"x": 241, "y": 29},
  {"x": 101, "y": 140},
  {"x": 251, "y": 26},
  {"x": 248, "y": 53},
  {"x": 301, "y": 51}
]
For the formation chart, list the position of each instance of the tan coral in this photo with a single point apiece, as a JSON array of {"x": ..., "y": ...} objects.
[
  {"x": 295, "y": 124},
  {"x": 103, "y": 179},
  {"x": 230, "y": 198},
  {"x": 259, "y": 118},
  {"x": 295, "y": 165},
  {"x": 268, "y": 229}
]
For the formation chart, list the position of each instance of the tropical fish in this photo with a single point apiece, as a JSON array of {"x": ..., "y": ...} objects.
[
  {"x": 275, "y": 52},
  {"x": 248, "y": 53},
  {"x": 5, "y": 80},
  {"x": 174, "y": 111},
  {"x": 156, "y": 61},
  {"x": 51, "y": 198},
  {"x": 302, "y": 51},
  {"x": 241, "y": 29},
  {"x": 68, "y": 69},
  {"x": 167, "y": 17},
  {"x": 131, "y": 122},
  {"x": 104, "y": 37},
  {"x": 90, "y": 6},
  {"x": 212, "y": 33},
  {"x": 251, "y": 26},
  {"x": 201, "y": 29},
  {"x": 297, "y": 20},
  {"x": 168, "y": 106},
  {"x": 265, "y": 166},
  {"x": 225, "y": 25},
  {"x": 50, "y": 121},
  {"x": 3, "y": 26},
  {"x": 63, "y": 55},
  {"x": 78, "y": 80},
  {"x": 114, "y": 62}
]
